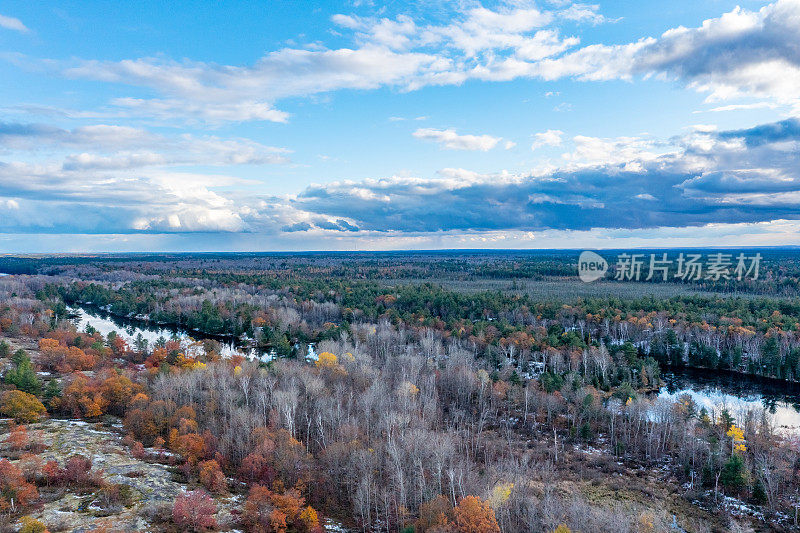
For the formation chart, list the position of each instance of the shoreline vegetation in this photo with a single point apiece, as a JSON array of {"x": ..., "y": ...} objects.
[
  {"x": 240, "y": 343},
  {"x": 668, "y": 354},
  {"x": 428, "y": 409}
]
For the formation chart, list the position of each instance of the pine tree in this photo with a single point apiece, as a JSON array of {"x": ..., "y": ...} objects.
[
  {"x": 22, "y": 376},
  {"x": 733, "y": 474}
]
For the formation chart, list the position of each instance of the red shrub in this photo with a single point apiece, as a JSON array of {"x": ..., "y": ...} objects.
[
  {"x": 194, "y": 511},
  {"x": 15, "y": 492}
]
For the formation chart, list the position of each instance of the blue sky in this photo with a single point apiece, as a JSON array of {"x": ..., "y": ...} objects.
[{"x": 263, "y": 126}]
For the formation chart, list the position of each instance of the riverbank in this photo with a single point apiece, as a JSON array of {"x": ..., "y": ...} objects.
[
  {"x": 735, "y": 392},
  {"x": 152, "y": 331},
  {"x": 709, "y": 388}
]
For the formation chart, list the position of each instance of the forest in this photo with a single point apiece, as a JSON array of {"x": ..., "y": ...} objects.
[{"x": 446, "y": 392}]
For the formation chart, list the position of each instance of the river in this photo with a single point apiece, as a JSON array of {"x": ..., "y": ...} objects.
[
  {"x": 738, "y": 393},
  {"x": 708, "y": 389},
  {"x": 131, "y": 328}
]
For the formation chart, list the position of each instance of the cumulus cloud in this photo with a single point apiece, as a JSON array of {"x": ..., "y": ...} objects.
[
  {"x": 741, "y": 53},
  {"x": 11, "y": 23},
  {"x": 196, "y": 90},
  {"x": 704, "y": 177},
  {"x": 106, "y": 178},
  {"x": 583, "y": 13},
  {"x": 451, "y": 140},
  {"x": 54, "y": 200},
  {"x": 737, "y": 176},
  {"x": 477, "y": 43},
  {"x": 631, "y": 152},
  {"x": 547, "y": 138}
]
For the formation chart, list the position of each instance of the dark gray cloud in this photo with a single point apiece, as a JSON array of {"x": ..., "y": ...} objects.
[
  {"x": 335, "y": 225},
  {"x": 785, "y": 130},
  {"x": 738, "y": 176},
  {"x": 727, "y": 177},
  {"x": 297, "y": 226}
]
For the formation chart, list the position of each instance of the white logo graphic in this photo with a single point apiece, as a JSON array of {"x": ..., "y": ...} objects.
[{"x": 591, "y": 266}]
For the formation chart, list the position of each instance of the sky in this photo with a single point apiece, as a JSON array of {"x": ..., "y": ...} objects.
[{"x": 266, "y": 126}]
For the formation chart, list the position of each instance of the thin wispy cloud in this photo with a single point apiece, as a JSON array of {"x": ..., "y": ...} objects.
[
  {"x": 11, "y": 23},
  {"x": 739, "y": 53}
]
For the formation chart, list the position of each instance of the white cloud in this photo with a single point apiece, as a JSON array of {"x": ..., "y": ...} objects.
[
  {"x": 741, "y": 53},
  {"x": 583, "y": 13},
  {"x": 547, "y": 138},
  {"x": 700, "y": 178},
  {"x": 205, "y": 91},
  {"x": 478, "y": 43},
  {"x": 451, "y": 140},
  {"x": 166, "y": 109},
  {"x": 739, "y": 107},
  {"x": 11, "y": 23},
  {"x": 109, "y": 147},
  {"x": 630, "y": 151}
]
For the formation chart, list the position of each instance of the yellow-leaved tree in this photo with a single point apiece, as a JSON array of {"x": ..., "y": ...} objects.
[{"x": 737, "y": 439}]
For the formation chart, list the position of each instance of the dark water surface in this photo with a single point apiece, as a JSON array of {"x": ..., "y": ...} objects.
[
  {"x": 738, "y": 393},
  {"x": 131, "y": 328}
]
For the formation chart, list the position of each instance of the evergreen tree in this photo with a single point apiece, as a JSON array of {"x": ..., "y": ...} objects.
[
  {"x": 771, "y": 356},
  {"x": 51, "y": 391},
  {"x": 733, "y": 475},
  {"x": 551, "y": 382},
  {"x": 725, "y": 419},
  {"x": 759, "y": 495},
  {"x": 22, "y": 376}
]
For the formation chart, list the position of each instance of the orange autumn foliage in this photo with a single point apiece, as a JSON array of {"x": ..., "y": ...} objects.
[
  {"x": 473, "y": 515},
  {"x": 266, "y": 510},
  {"x": 18, "y": 438},
  {"x": 257, "y": 509},
  {"x": 82, "y": 398},
  {"x": 277, "y": 521},
  {"x": 15, "y": 492},
  {"x": 107, "y": 392},
  {"x": 211, "y": 477},
  {"x": 56, "y": 355}
]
